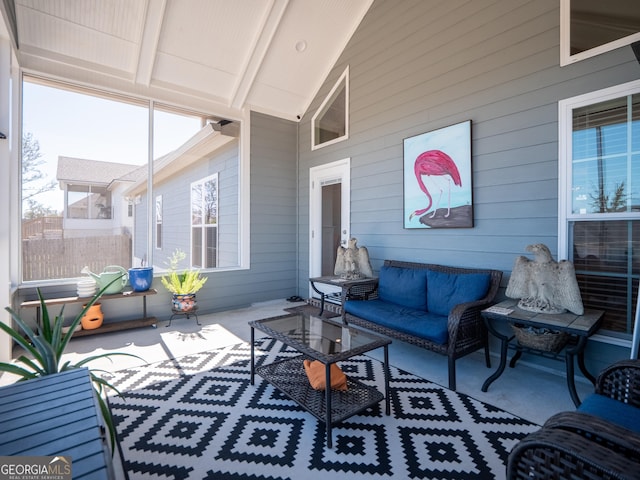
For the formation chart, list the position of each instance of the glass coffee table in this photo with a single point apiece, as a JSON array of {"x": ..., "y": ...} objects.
[{"x": 329, "y": 342}]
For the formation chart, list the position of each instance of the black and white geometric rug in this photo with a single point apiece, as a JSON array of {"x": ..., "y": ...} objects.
[{"x": 198, "y": 417}]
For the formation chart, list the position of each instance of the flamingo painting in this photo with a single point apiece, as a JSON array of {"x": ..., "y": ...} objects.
[{"x": 435, "y": 164}]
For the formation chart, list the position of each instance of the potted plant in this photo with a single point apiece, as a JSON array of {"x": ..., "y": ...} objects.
[
  {"x": 45, "y": 347},
  {"x": 183, "y": 284}
]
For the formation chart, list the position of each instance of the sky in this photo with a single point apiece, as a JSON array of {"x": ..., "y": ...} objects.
[{"x": 68, "y": 124}]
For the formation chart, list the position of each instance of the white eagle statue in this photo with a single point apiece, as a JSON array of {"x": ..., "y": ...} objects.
[
  {"x": 544, "y": 285},
  {"x": 353, "y": 262}
]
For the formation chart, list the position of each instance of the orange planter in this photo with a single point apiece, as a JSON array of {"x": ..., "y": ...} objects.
[{"x": 93, "y": 318}]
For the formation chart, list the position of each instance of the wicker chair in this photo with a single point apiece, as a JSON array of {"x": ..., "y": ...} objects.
[{"x": 573, "y": 445}]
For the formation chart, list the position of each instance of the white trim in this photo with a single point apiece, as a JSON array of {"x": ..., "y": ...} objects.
[
  {"x": 202, "y": 182},
  {"x": 565, "y": 107},
  {"x": 565, "y": 154},
  {"x": 9, "y": 176},
  {"x": 156, "y": 223},
  {"x": 244, "y": 195},
  {"x": 338, "y": 171},
  {"x": 565, "y": 39},
  {"x": 344, "y": 77}
]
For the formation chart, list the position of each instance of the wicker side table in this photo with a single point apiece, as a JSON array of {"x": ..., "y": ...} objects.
[{"x": 360, "y": 288}]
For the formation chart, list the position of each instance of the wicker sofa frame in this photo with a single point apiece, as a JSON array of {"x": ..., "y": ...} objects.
[
  {"x": 574, "y": 445},
  {"x": 467, "y": 332}
]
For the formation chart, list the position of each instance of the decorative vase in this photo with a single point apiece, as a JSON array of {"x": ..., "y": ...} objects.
[
  {"x": 140, "y": 278},
  {"x": 184, "y": 303},
  {"x": 93, "y": 318}
]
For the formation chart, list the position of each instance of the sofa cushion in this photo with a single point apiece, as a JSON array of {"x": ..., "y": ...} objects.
[
  {"x": 406, "y": 320},
  {"x": 403, "y": 286},
  {"x": 446, "y": 290},
  {"x": 614, "y": 411}
]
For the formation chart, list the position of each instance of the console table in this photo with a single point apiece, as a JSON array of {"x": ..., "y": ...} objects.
[
  {"x": 579, "y": 327},
  {"x": 360, "y": 288},
  {"x": 106, "y": 327}
]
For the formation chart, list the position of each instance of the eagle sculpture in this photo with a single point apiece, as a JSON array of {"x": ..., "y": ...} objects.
[
  {"x": 544, "y": 285},
  {"x": 353, "y": 262}
]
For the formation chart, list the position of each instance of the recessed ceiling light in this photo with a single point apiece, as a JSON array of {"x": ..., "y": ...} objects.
[{"x": 301, "y": 46}]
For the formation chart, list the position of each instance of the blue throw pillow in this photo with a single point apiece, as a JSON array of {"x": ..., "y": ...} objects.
[
  {"x": 403, "y": 286},
  {"x": 446, "y": 290}
]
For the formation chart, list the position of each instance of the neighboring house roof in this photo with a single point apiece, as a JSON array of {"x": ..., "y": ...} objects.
[
  {"x": 201, "y": 145},
  {"x": 95, "y": 172}
]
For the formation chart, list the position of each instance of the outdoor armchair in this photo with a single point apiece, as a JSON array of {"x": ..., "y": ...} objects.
[{"x": 601, "y": 440}]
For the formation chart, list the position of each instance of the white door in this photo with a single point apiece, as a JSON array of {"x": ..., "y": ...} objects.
[{"x": 329, "y": 206}]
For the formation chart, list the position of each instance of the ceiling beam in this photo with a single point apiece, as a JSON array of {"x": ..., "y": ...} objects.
[
  {"x": 258, "y": 52},
  {"x": 149, "y": 41}
]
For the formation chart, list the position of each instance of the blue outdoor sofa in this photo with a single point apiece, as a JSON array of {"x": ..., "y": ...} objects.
[{"x": 436, "y": 307}]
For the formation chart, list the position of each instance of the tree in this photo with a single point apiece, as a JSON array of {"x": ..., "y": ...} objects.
[
  {"x": 34, "y": 180},
  {"x": 604, "y": 202}
]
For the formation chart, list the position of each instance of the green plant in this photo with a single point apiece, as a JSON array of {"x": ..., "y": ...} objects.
[
  {"x": 182, "y": 282},
  {"x": 46, "y": 347}
]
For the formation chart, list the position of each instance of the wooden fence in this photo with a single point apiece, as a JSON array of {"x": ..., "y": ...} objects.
[
  {"x": 65, "y": 257},
  {"x": 42, "y": 227}
]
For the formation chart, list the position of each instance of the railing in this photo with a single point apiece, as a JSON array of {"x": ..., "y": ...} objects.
[
  {"x": 48, "y": 258},
  {"x": 43, "y": 227}
]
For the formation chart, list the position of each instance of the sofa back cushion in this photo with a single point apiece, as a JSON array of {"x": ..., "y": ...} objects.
[
  {"x": 403, "y": 286},
  {"x": 446, "y": 290}
]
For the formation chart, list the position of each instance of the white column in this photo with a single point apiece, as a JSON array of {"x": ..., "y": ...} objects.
[{"x": 7, "y": 256}]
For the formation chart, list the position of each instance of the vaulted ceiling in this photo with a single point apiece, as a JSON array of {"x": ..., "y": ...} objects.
[{"x": 265, "y": 55}]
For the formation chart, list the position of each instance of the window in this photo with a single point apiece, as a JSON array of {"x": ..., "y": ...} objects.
[
  {"x": 159, "y": 221},
  {"x": 592, "y": 27},
  {"x": 599, "y": 162},
  {"x": 87, "y": 201},
  {"x": 330, "y": 124},
  {"x": 86, "y": 183},
  {"x": 204, "y": 222}
]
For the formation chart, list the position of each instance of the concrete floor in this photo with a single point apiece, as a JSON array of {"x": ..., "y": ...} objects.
[{"x": 524, "y": 391}]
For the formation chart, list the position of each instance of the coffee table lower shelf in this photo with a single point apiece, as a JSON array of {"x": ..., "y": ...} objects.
[{"x": 289, "y": 377}]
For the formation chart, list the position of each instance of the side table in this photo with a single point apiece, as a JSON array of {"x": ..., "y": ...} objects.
[
  {"x": 359, "y": 288},
  {"x": 579, "y": 327}
]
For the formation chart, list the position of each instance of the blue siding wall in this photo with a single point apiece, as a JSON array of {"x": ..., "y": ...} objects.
[
  {"x": 176, "y": 197},
  {"x": 272, "y": 273},
  {"x": 419, "y": 65}
]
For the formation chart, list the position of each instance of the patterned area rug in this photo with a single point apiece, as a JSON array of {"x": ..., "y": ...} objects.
[{"x": 198, "y": 417}]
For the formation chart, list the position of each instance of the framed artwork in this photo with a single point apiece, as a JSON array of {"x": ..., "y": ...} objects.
[{"x": 437, "y": 178}]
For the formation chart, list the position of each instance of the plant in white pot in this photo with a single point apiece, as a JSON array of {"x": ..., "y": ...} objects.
[{"x": 182, "y": 283}]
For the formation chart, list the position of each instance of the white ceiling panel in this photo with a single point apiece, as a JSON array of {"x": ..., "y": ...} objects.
[{"x": 267, "y": 55}]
